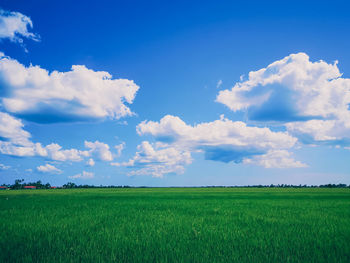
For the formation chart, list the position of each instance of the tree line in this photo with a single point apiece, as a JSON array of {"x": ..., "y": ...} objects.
[{"x": 20, "y": 184}]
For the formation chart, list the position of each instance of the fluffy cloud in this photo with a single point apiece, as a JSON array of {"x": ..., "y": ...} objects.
[
  {"x": 157, "y": 160},
  {"x": 14, "y": 26},
  {"x": 322, "y": 132},
  {"x": 83, "y": 175},
  {"x": 293, "y": 88},
  {"x": 11, "y": 129},
  {"x": 310, "y": 97},
  {"x": 55, "y": 152},
  {"x": 327, "y": 132},
  {"x": 119, "y": 148},
  {"x": 80, "y": 94},
  {"x": 48, "y": 168},
  {"x": 52, "y": 151},
  {"x": 15, "y": 141},
  {"x": 14, "y": 150},
  {"x": 222, "y": 134},
  {"x": 99, "y": 150},
  {"x": 275, "y": 159},
  {"x": 221, "y": 140},
  {"x": 90, "y": 162}
]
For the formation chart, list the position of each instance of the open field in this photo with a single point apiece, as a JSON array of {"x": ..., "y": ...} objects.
[{"x": 175, "y": 225}]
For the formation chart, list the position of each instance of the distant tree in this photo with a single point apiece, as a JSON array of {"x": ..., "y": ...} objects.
[
  {"x": 38, "y": 184},
  {"x": 17, "y": 184},
  {"x": 69, "y": 185}
]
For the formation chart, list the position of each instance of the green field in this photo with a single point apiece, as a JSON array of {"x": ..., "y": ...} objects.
[{"x": 175, "y": 225}]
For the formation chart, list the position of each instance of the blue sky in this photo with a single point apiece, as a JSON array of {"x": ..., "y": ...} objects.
[{"x": 173, "y": 94}]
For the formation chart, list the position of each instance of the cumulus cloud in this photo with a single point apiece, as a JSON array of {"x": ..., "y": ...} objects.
[
  {"x": 157, "y": 160},
  {"x": 219, "y": 134},
  {"x": 275, "y": 159},
  {"x": 11, "y": 129},
  {"x": 48, "y": 168},
  {"x": 15, "y": 141},
  {"x": 294, "y": 87},
  {"x": 35, "y": 94},
  {"x": 21, "y": 151},
  {"x": 310, "y": 98},
  {"x": 90, "y": 162},
  {"x": 83, "y": 175},
  {"x": 14, "y": 26},
  {"x": 99, "y": 150},
  {"x": 326, "y": 132},
  {"x": 221, "y": 140},
  {"x": 55, "y": 152},
  {"x": 52, "y": 151},
  {"x": 119, "y": 148}
]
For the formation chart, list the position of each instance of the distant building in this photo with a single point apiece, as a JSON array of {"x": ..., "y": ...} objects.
[
  {"x": 3, "y": 188},
  {"x": 29, "y": 187},
  {"x": 53, "y": 187}
]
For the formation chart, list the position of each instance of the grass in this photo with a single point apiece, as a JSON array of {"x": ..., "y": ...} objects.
[{"x": 175, "y": 225}]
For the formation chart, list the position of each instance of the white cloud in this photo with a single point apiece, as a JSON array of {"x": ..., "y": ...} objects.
[
  {"x": 14, "y": 26},
  {"x": 99, "y": 150},
  {"x": 221, "y": 132},
  {"x": 311, "y": 97},
  {"x": 15, "y": 141},
  {"x": 90, "y": 162},
  {"x": 11, "y": 129},
  {"x": 48, "y": 168},
  {"x": 221, "y": 140},
  {"x": 157, "y": 160},
  {"x": 307, "y": 89},
  {"x": 21, "y": 151},
  {"x": 275, "y": 159},
  {"x": 4, "y": 167},
  {"x": 79, "y": 94},
  {"x": 83, "y": 175},
  {"x": 119, "y": 148},
  {"x": 52, "y": 151},
  {"x": 331, "y": 132},
  {"x": 55, "y": 152}
]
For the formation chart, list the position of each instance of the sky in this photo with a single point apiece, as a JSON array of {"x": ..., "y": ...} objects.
[{"x": 175, "y": 93}]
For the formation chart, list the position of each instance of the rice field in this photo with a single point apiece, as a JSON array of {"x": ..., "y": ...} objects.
[{"x": 175, "y": 225}]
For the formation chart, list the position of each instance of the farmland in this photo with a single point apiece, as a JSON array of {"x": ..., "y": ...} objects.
[{"x": 175, "y": 225}]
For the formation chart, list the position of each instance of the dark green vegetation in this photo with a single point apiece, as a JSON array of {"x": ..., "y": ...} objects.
[{"x": 175, "y": 225}]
